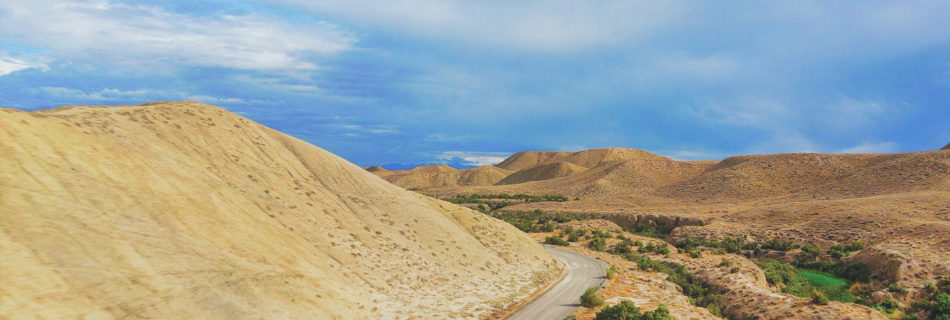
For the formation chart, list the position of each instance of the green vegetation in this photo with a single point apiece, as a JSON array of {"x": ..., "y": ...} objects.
[
  {"x": 611, "y": 272},
  {"x": 597, "y": 244},
  {"x": 627, "y": 310},
  {"x": 698, "y": 293},
  {"x": 896, "y": 288},
  {"x": 653, "y": 230},
  {"x": 556, "y": 240},
  {"x": 857, "y": 272},
  {"x": 838, "y": 251},
  {"x": 492, "y": 200},
  {"x": 655, "y": 248},
  {"x": 937, "y": 306},
  {"x": 818, "y": 297},
  {"x": 590, "y": 299},
  {"x": 803, "y": 283}
]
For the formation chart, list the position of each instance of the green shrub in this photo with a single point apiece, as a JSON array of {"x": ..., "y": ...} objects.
[
  {"x": 611, "y": 272},
  {"x": 555, "y": 240},
  {"x": 811, "y": 250},
  {"x": 695, "y": 254},
  {"x": 590, "y": 299},
  {"x": 622, "y": 248},
  {"x": 597, "y": 244},
  {"x": 627, "y": 310},
  {"x": 818, "y": 297},
  {"x": 725, "y": 263},
  {"x": 734, "y": 270},
  {"x": 573, "y": 237},
  {"x": 897, "y": 288},
  {"x": 638, "y": 243},
  {"x": 778, "y": 245}
]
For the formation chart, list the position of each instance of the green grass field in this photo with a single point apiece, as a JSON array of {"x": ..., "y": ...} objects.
[{"x": 836, "y": 288}]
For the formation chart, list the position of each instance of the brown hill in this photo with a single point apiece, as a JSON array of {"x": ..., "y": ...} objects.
[
  {"x": 528, "y": 159},
  {"x": 543, "y": 172},
  {"x": 946, "y": 147},
  {"x": 184, "y": 210},
  {"x": 594, "y": 157},
  {"x": 814, "y": 175},
  {"x": 440, "y": 176}
]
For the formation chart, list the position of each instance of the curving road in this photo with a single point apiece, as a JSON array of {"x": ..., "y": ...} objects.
[{"x": 561, "y": 299}]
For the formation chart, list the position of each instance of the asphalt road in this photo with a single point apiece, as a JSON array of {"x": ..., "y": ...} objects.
[{"x": 560, "y": 300}]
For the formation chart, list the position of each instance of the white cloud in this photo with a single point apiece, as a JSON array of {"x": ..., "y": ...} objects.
[
  {"x": 356, "y": 129},
  {"x": 534, "y": 24},
  {"x": 867, "y": 147},
  {"x": 11, "y": 65},
  {"x": 475, "y": 158},
  {"x": 111, "y": 94},
  {"x": 139, "y": 35}
]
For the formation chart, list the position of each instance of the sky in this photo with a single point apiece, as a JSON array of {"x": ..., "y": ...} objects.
[{"x": 407, "y": 82}]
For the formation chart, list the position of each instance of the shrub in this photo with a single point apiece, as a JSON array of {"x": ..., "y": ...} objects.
[
  {"x": 611, "y": 272},
  {"x": 622, "y": 248},
  {"x": 734, "y": 269},
  {"x": 778, "y": 245},
  {"x": 597, "y": 244},
  {"x": 818, "y": 297},
  {"x": 811, "y": 250},
  {"x": 725, "y": 263},
  {"x": 555, "y": 240},
  {"x": 590, "y": 299},
  {"x": 638, "y": 243},
  {"x": 573, "y": 237},
  {"x": 627, "y": 310},
  {"x": 897, "y": 288},
  {"x": 695, "y": 254},
  {"x": 548, "y": 227}
]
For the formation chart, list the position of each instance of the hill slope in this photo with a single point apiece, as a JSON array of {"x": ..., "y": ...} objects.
[
  {"x": 543, "y": 172},
  {"x": 184, "y": 210}
]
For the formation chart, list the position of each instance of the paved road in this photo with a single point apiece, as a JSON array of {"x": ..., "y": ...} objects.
[{"x": 561, "y": 299}]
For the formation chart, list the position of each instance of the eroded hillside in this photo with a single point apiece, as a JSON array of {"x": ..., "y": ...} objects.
[{"x": 184, "y": 210}]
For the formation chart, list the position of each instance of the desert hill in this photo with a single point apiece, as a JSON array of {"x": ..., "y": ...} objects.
[
  {"x": 521, "y": 167},
  {"x": 547, "y": 171},
  {"x": 436, "y": 176},
  {"x": 946, "y": 147},
  {"x": 815, "y": 175},
  {"x": 184, "y": 210},
  {"x": 528, "y": 159}
]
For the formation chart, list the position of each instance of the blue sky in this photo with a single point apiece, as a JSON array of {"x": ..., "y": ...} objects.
[{"x": 470, "y": 82}]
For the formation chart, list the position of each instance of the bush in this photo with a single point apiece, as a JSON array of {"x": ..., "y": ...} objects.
[
  {"x": 897, "y": 288},
  {"x": 590, "y": 299},
  {"x": 573, "y": 237},
  {"x": 695, "y": 254},
  {"x": 778, "y": 245},
  {"x": 818, "y": 297},
  {"x": 627, "y": 310},
  {"x": 597, "y": 244},
  {"x": 622, "y": 249},
  {"x": 555, "y": 240},
  {"x": 611, "y": 272},
  {"x": 734, "y": 270},
  {"x": 725, "y": 263},
  {"x": 811, "y": 250}
]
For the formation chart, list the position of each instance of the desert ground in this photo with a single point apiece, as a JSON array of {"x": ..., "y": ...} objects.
[{"x": 895, "y": 207}]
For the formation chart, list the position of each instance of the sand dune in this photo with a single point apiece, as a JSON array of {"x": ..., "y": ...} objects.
[{"x": 184, "y": 210}]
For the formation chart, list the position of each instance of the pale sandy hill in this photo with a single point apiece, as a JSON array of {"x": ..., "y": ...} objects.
[
  {"x": 543, "y": 172},
  {"x": 527, "y": 159},
  {"x": 184, "y": 210}
]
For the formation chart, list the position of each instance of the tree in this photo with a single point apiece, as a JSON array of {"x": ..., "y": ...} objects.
[
  {"x": 627, "y": 310},
  {"x": 590, "y": 299}
]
